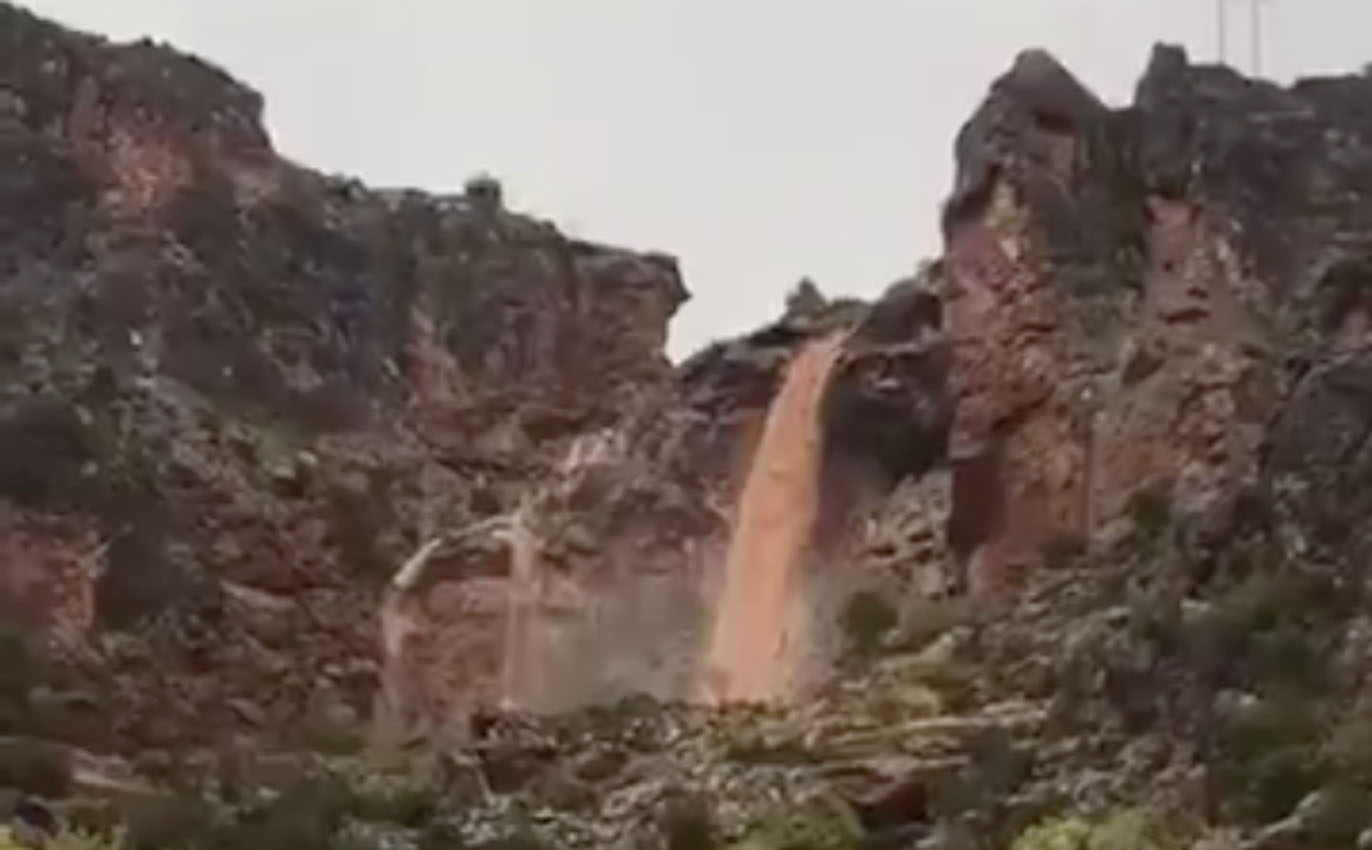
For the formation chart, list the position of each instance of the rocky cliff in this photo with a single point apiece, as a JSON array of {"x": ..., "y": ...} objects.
[
  {"x": 289, "y": 465},
  {"x": 237, "y": 394},
  {"x": 1139, "y": 292}
]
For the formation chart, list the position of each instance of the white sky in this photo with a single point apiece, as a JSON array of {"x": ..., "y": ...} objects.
[{"x": 758, "y": 140}]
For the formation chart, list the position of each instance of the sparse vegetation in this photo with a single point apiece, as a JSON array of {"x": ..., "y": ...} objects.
[
  {"x": 823, "y": 825},
  {"x": 521, "y": 839},
  {"x": 867, "y": 619},
  {"x": 329, "y": 726},
  {"x": 750, "y": 746},
  {"x": 34, "y": 767},
  {"x": 1340, "y": 815},
  {"x": 686, "y": 823},
  {"x": 76, "y": 839},
  {"x": 18, "y": 672},
  {"x": 1066, "y": 833},
  {"x": 1128, "y": 829},
  {"x": 66, "y": 839},
  {"x": 304, "y": 816},
  {"x": 312, "y": 812},
  {"x": 1150, "y": 510},
  {"x": 925, "y": 620},
  {"x": 1267, "y": 759},
  {"x": 402, "y": 800},
  {"x": 1348, "y": 746}
]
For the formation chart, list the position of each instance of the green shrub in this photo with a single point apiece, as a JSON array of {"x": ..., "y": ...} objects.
[
  {"x": 441, "y": 835},
  {"x": 1268, "y": 759},
  {"x": 1129, "y": 829},
  {"x": 329, "y": 725},
  {"x": 1151, "y": 513},
  {"x": 1258, "y": 603},
  {"x": 523, "y": 838},
  {"x": 396, "y": 799},
  {"x": 304, "y": 816},
  {"x": 1341, "y": 816},
  {"x": 67, "y": 839},
  {"x": 74, "y": 839},
  {"x": 1255, "y": 636},
  {"x": 1067, "y": 833},
  {"x": 1348, "y": 747},
  {"x": 175, "y": 821},
  {"x": 1286, "y": 658},
  {"x": 686, "y": 823},
  {"x": 35, "y": 767},
  {"x": 824, "y": 825},
  {"x": 866, "y": 620},
  {"x": 926, "y": 620},
  {"x": 18, "y": 674}
]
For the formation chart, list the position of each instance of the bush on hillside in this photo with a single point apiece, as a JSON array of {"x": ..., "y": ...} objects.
[
  {"x": 18, "y": 673},
  {"x": 67, "y": 839},
  {"x": 1128, "y": 829},
  {"x": 686, "y": 823},
  {"x": 824, "y": 825},
  {"x": 1151, "y": 513},
  {"x": 866, "y": 620}
]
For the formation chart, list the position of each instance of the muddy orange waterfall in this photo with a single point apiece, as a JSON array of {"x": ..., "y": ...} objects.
[
  {"x": 751, "y": 653},
  {"x": 521, "y": 601}
]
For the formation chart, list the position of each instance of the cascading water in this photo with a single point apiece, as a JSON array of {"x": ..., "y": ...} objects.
[
  {"x": 753, "y": 650},
  {"x": 521, "y": 602},
  {"x": 398, "y": 620}
]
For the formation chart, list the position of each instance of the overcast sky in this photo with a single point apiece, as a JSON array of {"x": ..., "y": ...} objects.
[{"x": 758, "y": 140}]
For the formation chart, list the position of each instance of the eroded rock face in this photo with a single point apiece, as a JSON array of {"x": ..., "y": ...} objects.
[
  {"x": 1128, "y": 291},
  {"x": 235, "y": 394}
]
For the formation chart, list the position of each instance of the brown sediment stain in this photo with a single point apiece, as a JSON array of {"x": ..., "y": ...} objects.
[
  {"x": 49, "y": 569},
  {"x": 752, "y": 651},
  {"x": 520, "y": 611}
]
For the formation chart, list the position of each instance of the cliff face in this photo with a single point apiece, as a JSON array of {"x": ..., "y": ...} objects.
[
  {"x": 236, "y": 394},
  {"x": 1126, "y": 411},
  {"x": 1136, "y": 296}
]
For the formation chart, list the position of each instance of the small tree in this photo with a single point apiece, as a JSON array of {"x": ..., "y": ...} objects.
[{"x": 485, "y": 192}]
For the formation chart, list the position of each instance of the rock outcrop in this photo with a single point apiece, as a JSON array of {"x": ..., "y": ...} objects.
[
  {"x": 1134, "y": 294},
  {"x": 236, "y": 394}
]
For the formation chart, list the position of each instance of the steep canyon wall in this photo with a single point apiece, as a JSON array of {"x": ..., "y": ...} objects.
[{"x": 236, "y": 396}]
